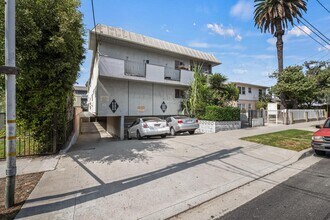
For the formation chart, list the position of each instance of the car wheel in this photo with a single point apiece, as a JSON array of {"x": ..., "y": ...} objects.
[
  {"x": 138, "y": 135},
  {"x": 163, "y": 136},
  {"x": 128, "y": 137},
  {"x": 192, "y": 132},
  {"x": 173, "y": 133},
  {"x": 319, "y": 152}
]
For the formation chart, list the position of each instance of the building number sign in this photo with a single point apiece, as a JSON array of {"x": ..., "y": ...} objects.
[
  {"x": 163, "y": 107},
  {"x": 113, "y": 106}
]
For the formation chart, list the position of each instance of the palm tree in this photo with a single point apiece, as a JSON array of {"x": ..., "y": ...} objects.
[{"x": 274, "y": 15}]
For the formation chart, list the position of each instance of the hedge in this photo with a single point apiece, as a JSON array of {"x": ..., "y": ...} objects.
[{"x": 217, "y": 113}]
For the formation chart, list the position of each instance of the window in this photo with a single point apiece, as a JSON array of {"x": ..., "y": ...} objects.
[
  {"x": 260, "y": 93},
  {"x": 239, "y": 90},
  {"x": 243, "y": 90},
  {"x": 250, "y": 106},
  {"x": 179, "y": 93},
  {"x": 249, "y": 89}
]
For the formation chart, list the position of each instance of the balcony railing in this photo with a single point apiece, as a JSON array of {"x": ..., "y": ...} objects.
[
  {"x": 135, "y": 68},
  {"x": 172, "y": 74}
]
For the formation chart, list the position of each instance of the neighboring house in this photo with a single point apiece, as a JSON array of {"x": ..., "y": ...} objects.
[
  {"x": 80, "y": 94},
  {"x": 133, "y": 75},
  {"x": 249, "y": 94}
]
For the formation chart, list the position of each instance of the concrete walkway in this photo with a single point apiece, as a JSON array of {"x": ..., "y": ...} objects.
[
  {"x": 152, "y": 179},
  {"x": 27, "y": 165}
]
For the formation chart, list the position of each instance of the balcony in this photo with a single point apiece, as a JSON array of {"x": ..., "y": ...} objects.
[
  {"x": 135, "y": 68},
  {"x": 172, "y": 74},
  {"x": 131, "y": 70}
]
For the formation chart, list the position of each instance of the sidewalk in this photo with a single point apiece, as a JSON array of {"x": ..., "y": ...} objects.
[
  {"x": 27, "y": 165},
  {"x": 152, "y": 179}
]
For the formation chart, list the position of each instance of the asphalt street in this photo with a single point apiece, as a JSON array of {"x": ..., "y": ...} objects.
[{"x": 303, "y": 196}]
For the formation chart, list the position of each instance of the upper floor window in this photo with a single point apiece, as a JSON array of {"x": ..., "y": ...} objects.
[
  {"x": 179, "y": 93},
  {"x": 260, "y": 92},
  {"x": 250, "y": 90},
  {"x": 241, "y": 90}
]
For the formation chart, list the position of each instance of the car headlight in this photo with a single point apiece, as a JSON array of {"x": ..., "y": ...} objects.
[{"x": 317, "y": 138}]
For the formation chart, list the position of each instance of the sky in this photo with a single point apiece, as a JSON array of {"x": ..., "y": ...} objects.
[{"x": 224, "y": 28}]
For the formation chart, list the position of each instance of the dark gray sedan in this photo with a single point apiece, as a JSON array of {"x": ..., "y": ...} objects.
[{"x": 180, "y": 124}]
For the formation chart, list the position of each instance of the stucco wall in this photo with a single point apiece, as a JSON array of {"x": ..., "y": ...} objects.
[
  {"x": 136, "y": 98},
  {"x": 92, "y": 90},
  {"x": 113, "y": 126}
]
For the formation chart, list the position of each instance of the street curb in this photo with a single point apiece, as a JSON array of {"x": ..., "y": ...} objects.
[{"x": 306, "y": 153}]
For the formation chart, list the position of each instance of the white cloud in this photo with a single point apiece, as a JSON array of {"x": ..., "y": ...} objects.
[
  {"x": 223, "y": 31},
  {"x": 165, "y": 28},
  {"x": 242, "y": 9},
  {"x": 271, "y": 41},
  {"x": 240, "y": 71},
  {"x": 323, "y": 48},
  {"x": 197, "y": 44},
  {"x": 194, "y": 24},
  {"x": 299, "y": 31},
  {"x": 238, "y": 37}
]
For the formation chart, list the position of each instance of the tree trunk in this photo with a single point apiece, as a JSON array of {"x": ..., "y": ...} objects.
[{"x": 279, "y": 46}]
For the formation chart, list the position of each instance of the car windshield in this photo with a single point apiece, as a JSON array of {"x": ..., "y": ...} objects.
[
  {"x": 180, "y": 117},
  {"x": 151, "y": 119},
  {"x": 327, "y": 124}
]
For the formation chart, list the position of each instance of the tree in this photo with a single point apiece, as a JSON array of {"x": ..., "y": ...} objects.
[
  {"x": 223, "y": 93},
  {"x": 199, "y": 93},
  {"x": 49, "y": 53},
  {"x": 273, "y": 16},
  {"x": 298, "y": 88}
]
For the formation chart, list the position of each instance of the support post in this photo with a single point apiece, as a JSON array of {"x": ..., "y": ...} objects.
[
  {"x": 122, "y": 125},
  {"x": 10, "y": 63},
  {"x": 306, "y": 116}
]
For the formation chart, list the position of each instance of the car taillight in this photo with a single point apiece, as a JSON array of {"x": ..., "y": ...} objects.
[
  {"x": 180, "y": 121},
  {"x": 145, "y": 125}
]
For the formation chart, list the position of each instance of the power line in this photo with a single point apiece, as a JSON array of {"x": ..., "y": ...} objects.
[
  {"x": 323, "y": 6},
  {"x": 314, "y": 28},
  {"x": 312, "y": 37},
  {"x": 315, "y": 32}
]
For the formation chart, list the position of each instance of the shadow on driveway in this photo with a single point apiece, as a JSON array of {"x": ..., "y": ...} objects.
[{"x": 106, "y": 189}]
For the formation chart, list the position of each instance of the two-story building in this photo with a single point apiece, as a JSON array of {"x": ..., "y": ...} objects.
[
  {"x": 249, "y": 94},
  {"x": 133, "y": 75}
]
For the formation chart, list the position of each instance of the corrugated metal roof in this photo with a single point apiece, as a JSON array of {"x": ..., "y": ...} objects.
[{"x": 118, "y": 33}]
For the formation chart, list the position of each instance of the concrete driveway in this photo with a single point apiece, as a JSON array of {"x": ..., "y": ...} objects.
[{"x": 152, "y": 179}]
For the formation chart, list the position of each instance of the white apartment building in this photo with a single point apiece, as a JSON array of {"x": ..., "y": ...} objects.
[
  {"x": 133, "y": 75},
  {"x": 249, "y": 94}
]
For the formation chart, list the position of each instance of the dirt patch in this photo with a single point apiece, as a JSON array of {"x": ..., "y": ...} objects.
[{"x": 24, "y": 186}]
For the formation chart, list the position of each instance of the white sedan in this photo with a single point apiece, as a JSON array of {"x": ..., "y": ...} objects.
[{"x": 148, "y": 127}]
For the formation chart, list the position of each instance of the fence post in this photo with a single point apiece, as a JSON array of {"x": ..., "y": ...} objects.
[
  {"x": 291, "y": 118},
  {"x": 54, "y": 140},
  {"x": 306, "y": 116},
  {"x": 317, "y": 115}
]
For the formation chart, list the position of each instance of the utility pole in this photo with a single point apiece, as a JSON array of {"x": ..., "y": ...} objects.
[{"x": 11, "y": 71}]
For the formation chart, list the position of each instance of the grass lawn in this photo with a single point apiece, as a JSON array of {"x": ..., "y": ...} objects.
[{"x": 289, "y": 139}]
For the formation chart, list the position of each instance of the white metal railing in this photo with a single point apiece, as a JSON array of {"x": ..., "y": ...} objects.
[
  {"x": 172, "y": 74},
  {"x": 133, "y": 68}
]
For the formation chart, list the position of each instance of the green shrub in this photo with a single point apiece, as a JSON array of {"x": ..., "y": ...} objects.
[{"x": 217, "y": 113}]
